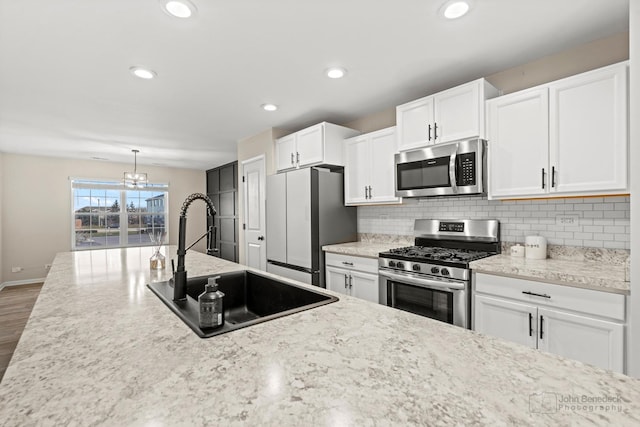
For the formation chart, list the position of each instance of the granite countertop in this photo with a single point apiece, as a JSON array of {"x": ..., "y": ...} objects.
[
  {"x": 586, "y": 268},
  {"x": 362, "y": 249},
  {"x": 101, "y": 349},
  {"x": 597, "y": 275}
]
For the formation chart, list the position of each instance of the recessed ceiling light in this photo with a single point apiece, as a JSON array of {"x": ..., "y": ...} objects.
[
  {"x": 143, "y": 73},
  {"x": 179, "y": 9},
  {"x": 336, "y": 73},
  {"x": 455, "y": 9},
  {"x": 269, "y": 107}
]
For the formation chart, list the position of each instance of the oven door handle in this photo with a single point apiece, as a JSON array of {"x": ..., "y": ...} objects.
[
  {"x": 421, "y": 281},
  {"x": 452, "y": 169}
]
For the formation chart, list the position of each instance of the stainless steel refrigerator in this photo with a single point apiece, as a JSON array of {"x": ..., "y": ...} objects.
[{"x": 305, "y": 210}]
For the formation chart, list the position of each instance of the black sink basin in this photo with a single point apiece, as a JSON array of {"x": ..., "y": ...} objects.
[{"x": 250, "y": 298}]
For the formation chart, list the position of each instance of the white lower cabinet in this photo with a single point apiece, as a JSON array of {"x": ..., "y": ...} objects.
[
  {"x": 354, "y": 276},
  {"x": 575, "y": 323}
]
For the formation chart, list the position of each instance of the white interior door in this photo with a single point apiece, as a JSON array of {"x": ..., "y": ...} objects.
[{"x": 254, "y": 176}]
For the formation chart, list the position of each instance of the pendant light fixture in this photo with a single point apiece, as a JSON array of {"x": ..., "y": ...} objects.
[{"x": 135, "y": 179}]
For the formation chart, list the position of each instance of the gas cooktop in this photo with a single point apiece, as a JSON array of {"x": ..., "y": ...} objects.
[{"x": 436, "y": 254}]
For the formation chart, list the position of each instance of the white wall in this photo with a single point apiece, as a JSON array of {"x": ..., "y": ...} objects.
[
  {"x": 633, "y": 359},
  {"x": 36, "y": 207}
]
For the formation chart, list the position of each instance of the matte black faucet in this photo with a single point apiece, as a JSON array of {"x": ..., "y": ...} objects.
[{"x": 180, "y": 275}]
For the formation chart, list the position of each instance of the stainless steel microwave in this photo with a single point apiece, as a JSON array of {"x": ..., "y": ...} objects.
[{"x": 454, "y": 168}]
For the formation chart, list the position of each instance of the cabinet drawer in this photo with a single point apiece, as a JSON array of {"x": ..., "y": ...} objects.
[
  {"x": 603, "y": 304},
  {"x": 369, "y": 265}
]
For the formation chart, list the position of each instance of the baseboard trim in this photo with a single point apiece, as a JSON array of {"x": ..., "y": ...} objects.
[{"x": 21, "y": 282}]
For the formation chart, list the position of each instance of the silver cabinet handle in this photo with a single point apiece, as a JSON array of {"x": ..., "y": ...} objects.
[
  {"x": 347, "y": 263},
  {"x": 350, "y": 281},
  {"x": 345, "y": 281}
]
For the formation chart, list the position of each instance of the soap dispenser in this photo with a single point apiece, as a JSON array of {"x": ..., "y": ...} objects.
[{"x": 211, "y": 308}]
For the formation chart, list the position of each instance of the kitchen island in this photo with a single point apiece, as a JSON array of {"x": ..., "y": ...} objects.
[{"x": 101, "y": 349}]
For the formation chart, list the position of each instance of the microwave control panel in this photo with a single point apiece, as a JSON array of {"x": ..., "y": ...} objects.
[{"x": 466, "y": 169}]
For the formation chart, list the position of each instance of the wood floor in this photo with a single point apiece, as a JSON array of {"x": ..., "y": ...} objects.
[{"x": 16, "y": 303}]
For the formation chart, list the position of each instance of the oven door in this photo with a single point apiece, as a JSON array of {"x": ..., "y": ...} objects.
[{"x": 444, "y": 300}]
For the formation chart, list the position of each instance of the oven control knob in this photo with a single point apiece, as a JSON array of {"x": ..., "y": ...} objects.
[
  {"x": 435, "y": 270},
  {"x": 392, "y": 263},
  {"x": 399, "y": 264},
  {"x": 444, "y": 272},
  {"x": 415, "y": 267}
]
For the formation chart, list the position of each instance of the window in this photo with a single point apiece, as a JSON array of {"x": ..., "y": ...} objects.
[{"x": 107, "y": 215}]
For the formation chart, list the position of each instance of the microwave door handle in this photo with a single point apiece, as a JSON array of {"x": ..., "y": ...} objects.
[{"x": 452, "y": 169}]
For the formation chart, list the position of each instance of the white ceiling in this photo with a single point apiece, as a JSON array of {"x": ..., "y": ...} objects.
[{"x": 66, "y": 90}]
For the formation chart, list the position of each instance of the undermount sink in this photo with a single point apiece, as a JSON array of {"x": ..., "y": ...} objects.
[{"x": 250, "y": 298}]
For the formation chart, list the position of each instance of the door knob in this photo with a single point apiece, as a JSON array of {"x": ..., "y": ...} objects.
[{"x": 260, "y": 237}]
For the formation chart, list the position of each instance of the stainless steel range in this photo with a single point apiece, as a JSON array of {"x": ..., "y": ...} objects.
[{"x": 433, "y": 278}]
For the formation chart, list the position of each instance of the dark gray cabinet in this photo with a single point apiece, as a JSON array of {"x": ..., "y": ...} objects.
[{"x": 222, "y": 189}]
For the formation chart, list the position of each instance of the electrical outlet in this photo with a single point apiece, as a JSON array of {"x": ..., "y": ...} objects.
[
  {"x": 47, "y": 266},
  {"x": 16, "y": 269},
  {"x": 567, "y": 219}
]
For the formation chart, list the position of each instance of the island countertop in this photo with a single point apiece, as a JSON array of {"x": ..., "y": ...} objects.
[{"x": 101, "y": 349}]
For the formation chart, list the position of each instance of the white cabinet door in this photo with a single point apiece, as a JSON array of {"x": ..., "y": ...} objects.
[
  {"x": 364, "y": 285},
  {"x": 285, "y": 152},
  {"x": 383, "y": 146},
  {"x": 505, "y": 319},
  {"x": 299, "y": 218},
  {"x": 337, "y": 280},
  {"x": 415, "y": 124},
  {"x": 457, "y": 113},
  {"x": 357, "y": 170},
  {"x": 593, "y": 341},
  {"x": 518, "y": 144},
  {"x": 310, "y": 145},
  {"x": 588, "y": 123}
]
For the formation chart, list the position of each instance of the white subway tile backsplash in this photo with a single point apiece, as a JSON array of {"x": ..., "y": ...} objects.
[{"x": 598, "y": 222}]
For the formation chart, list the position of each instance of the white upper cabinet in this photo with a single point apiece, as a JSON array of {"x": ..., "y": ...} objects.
[
  {"x": 519, "y": 143},
  {"x": 588, "y": 131},
  {"x": 451, "y": 115},
  {"x": 566, "y": 138},
  {"x": 369, "y": 168},
  {"x": 316, "y": 145}
]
